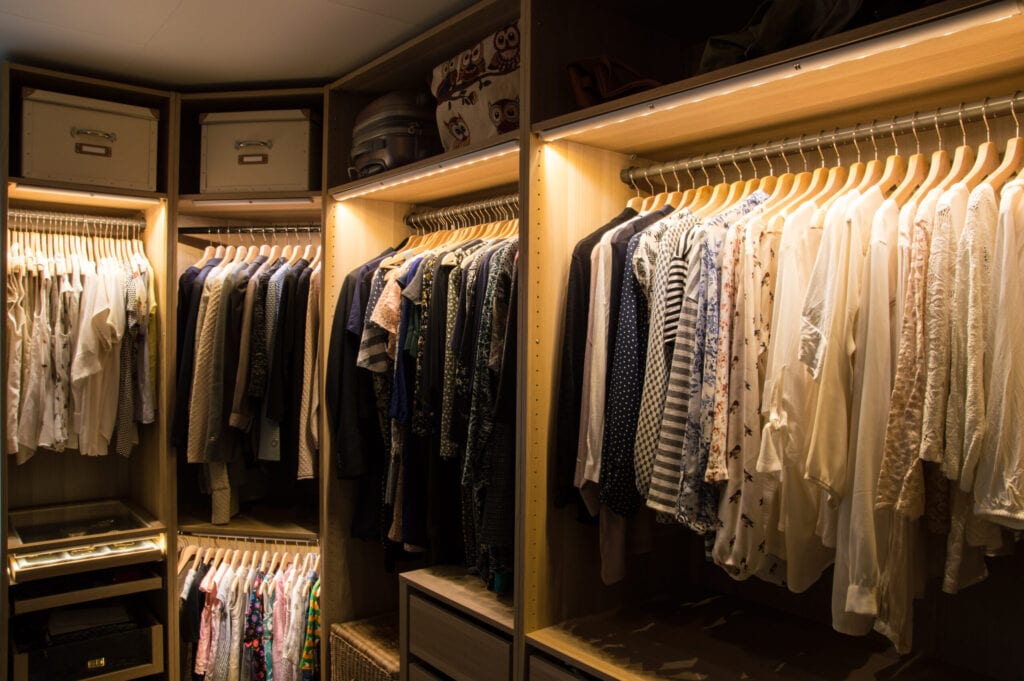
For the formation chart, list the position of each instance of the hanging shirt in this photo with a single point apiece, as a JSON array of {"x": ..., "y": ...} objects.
[
  {"x": 863, "y": 533},
  {"x": 993, "y": 454},
  {"x": 828, "y": 349},
  {"x": 697, "y": 505},
  {"x": 745, "y": 513},
  {"x": 97, "y": 360},
  {"x": 950, "y": 213},
  {"x": 574, "y": 337},
  {"x": 625, "y": 384},
  {"x": 659, "y": 350},
  {"x": 790, "y": 395}
]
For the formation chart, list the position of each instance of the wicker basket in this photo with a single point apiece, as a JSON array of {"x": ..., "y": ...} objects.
[{"x": 365, "y": 650}]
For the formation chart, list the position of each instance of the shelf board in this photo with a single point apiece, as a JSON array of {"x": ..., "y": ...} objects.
[
  {"x": 263, "y": 525},
  {"x": 455, "y": 587},
  {"x": 66, "y": 193},
  {"x": 26, "y": 605},
  {"x": 252, "y": 205},
  {"x": 934, "y": 62},
  {"x": 716, "y": 638},
  {"x": 493, "y": 163}
]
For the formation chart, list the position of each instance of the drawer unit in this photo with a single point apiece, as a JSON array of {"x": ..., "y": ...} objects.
[
  {"x": 542, "y": 670},
  {"x": 125, "y": 652},
  {"x": 254, "y": 151},
  {"x": 420, "y": 673},
  {"x": 455, "y": 646},
  {"x": 89, "y": 141}
]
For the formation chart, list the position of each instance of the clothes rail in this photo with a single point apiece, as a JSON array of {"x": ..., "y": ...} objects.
[
  {"x": 960, "y": 114},
  {"x": 57, "y": 220},
  {"x": 480, "y": 209},
  {"x": 269, "y": 537},
  {"x": 304, "y": 227}
]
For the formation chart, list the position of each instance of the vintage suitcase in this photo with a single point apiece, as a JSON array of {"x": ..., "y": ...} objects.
[
  {"x": 391, "y": 131},
  {"x": 254, "y": 151},
  {"x": 88, "y": 141}
]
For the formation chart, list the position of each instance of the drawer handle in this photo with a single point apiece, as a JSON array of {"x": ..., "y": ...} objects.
[
  {"x": 75, "y": 132},
  {"x": 268, "y": 144}
]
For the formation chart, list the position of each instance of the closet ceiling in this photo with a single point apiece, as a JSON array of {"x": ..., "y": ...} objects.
[{"x": 191, "y": 43}]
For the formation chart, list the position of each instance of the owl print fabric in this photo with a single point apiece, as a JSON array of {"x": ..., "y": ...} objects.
[{"x": 477, "y": 92}]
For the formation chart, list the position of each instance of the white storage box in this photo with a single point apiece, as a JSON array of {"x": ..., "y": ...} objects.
[
  {"x": 251, "y": 151},
  {"x": 88, "y": 141}
]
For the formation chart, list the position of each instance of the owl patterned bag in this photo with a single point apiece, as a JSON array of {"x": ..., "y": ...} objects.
[{"x": 477, "y": 92}]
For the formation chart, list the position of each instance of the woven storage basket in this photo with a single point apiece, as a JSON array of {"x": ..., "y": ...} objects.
[{"x": 365, "y": 650}]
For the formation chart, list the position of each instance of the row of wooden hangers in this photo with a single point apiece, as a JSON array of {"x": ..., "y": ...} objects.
[
  {"x": 301, "y": 249},
  {"x": 265, "y": 561},
  {"x": 456, "y": 228},
  {"x": 57, "y": 245},
  {"x": 901, "y": 179}
]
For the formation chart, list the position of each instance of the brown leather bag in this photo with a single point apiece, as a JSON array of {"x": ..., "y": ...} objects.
[{"x": 600, "y": 79}]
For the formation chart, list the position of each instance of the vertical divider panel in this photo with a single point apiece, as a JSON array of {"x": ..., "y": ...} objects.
[
  {"x": 358, "y": 586},
  {"x": 573, "y": 190}
]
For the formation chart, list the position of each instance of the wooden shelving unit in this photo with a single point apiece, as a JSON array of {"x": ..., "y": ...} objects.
[{"x": 144, "y": 478}]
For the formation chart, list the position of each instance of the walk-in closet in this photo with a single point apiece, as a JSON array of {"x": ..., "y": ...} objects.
[{"x": 546, "y": 340}]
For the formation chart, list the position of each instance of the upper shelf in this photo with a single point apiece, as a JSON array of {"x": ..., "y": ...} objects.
[
  {"x": 44, "y": 192},
  {"x": 967, "y": 56},
  {"x": 252, "y": 206},
  {"x": 494, "y": 163}
]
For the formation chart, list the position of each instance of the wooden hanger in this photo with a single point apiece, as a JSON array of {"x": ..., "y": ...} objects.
[
  {"x": 186, "y": 554},
  {"x": 895, "y": 166},
  {"x": 835, "y": 179},
  {"x": 637, "y": 201},
  {"x": 963, "y": 158},
  {"x": 917, "y": 170},
  {"x": 874, "y": 169},
  {"x": 1013, "y": 157},
  {"x": 806, "y": 185},
  {"x": 218, "y": 558},
  {"x": 198, "y": 559},
  {"x": 316, "y": 563},
  {"x": 988, "y": 156},
  {"x": 647, "y": 205},
  {"x": 719, "y": 195},
  {"x": 938, "y": 167}
]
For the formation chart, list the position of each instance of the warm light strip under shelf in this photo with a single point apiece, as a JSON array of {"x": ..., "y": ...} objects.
[
  {"x": 24, "y": 190},
  {"x": 213, "y": 203},
  {"x": 434, "y": 169}
]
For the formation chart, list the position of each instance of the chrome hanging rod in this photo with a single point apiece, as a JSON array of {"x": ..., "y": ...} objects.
[
  {"x": 264, "y": 538},
  {"x": 430, "y": 217},
  {"x": 47, "y": 219},
  {"x": 306, "y": 227},
  {"x": 962, "y": 113}
]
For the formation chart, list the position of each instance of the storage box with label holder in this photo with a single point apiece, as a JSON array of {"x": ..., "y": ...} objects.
[
  {"x": 68, "y": 138},
  {"x": 253, "y": 151}
]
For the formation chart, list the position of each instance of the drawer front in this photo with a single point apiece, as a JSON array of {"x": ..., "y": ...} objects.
[
  {"x": 542, "y": 670},
  {"x": 418, "y": 673},
  {"x": 456, "y": 646},
  {"x": 88, "y": 146},
  {"x": 256, "y": 156}
]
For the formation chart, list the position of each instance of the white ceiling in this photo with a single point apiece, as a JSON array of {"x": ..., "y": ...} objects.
[{"x": 188, "y": 43}]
